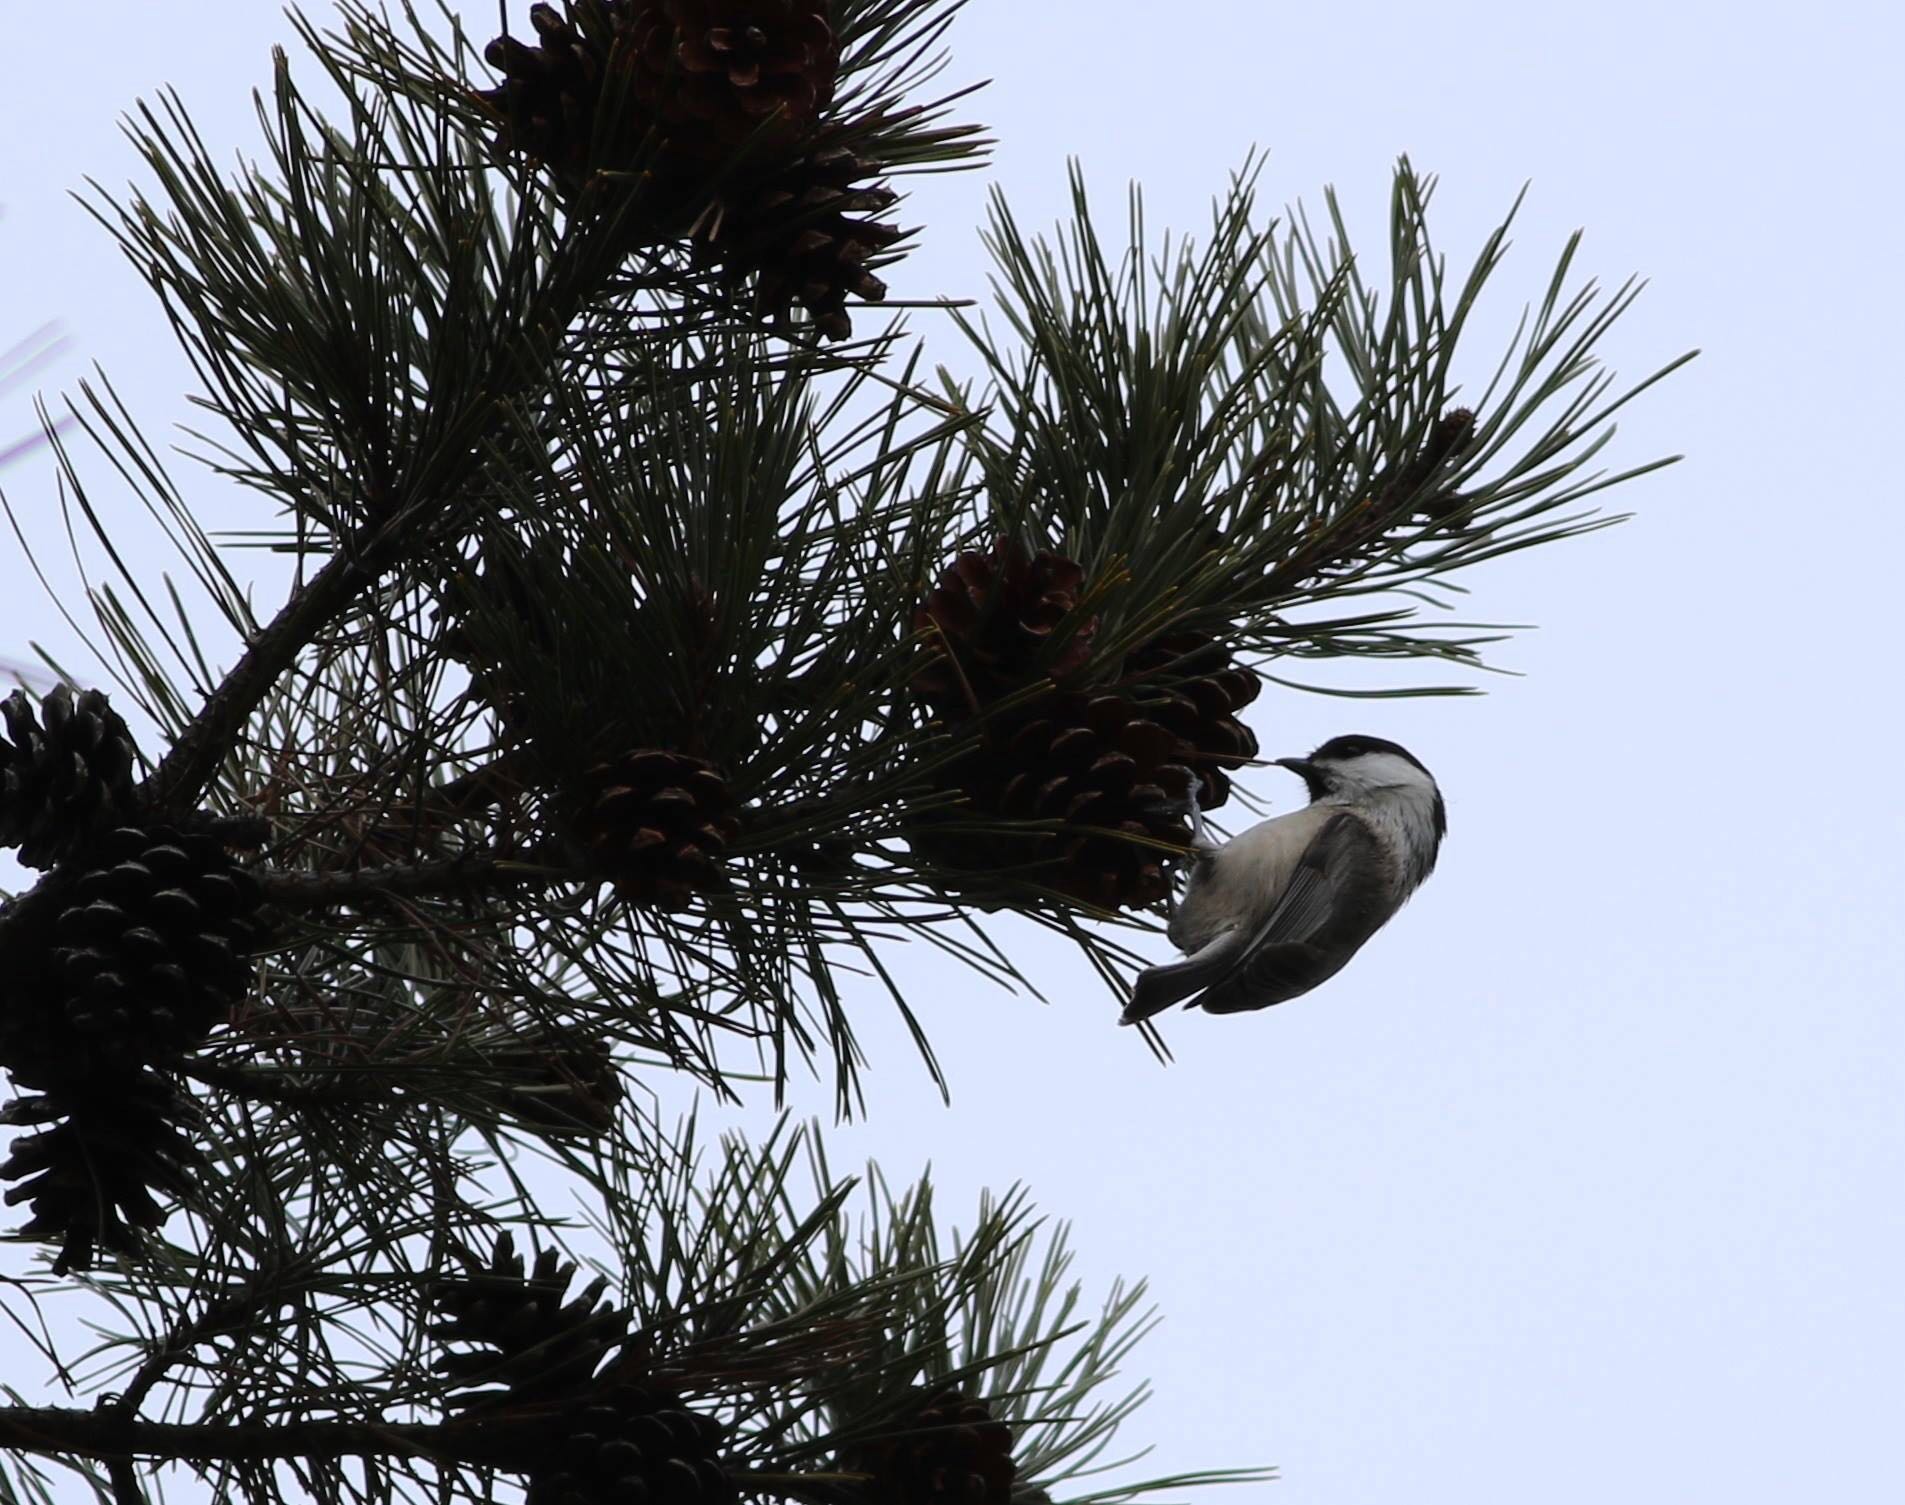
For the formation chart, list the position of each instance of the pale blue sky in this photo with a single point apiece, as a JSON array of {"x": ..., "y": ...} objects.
[{"x": 1583, "y": 1182}]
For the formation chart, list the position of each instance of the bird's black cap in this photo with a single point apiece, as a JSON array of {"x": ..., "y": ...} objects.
[
  {"x": 1342, "y": 749},
  {"x": 1314, "y": 770}
]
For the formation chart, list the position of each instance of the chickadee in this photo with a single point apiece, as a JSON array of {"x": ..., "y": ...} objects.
[{"x": 1285, "y": 905}]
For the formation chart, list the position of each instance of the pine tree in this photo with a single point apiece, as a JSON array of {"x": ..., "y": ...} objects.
[{"x": 661, "y": 640}]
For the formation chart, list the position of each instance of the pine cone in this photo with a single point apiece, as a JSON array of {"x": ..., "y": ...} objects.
[
  {"x": 551, "y": 92},
  {"x": 1118, "y": 782},
  {"x": 1454, "y": 431},
  {"x": 991, "y": 623},
  {"x": 953, "y": 1454},
  {"x": 714, "y": 73},
  {"x": 691, "y": 82},
  {"x": 1187, "y": 683},
  {"x": 527, "y": 1343},
  {"x": 62, "y": 773},
  {"x": 102, "y": 1149},
  {"x": 631, "y": 1441},
  {"x": 656, "y": 823},
  {"x": 559, "y": 1082},
  {"x": 810, "y": 235},
  {"x": 1115, "y": 770},
  {"x": 152, "y": 949}
]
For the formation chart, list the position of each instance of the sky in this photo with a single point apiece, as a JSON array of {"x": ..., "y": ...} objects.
[{"x": 1581, "y": 1183}]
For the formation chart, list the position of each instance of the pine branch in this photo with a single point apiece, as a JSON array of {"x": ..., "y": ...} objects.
[
  {"x": 110, "y": 1436},
  {"x": 475, "y": 873},
  {"x": 194, "y": 758}
]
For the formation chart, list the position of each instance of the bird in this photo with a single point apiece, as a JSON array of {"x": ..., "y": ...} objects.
[{"x": 1283, "y": 906}]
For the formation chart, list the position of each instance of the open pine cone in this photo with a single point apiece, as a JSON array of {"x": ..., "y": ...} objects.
[
  {"x": 155, "y": 948},
  {"x": 808, "y": 232},
  {"x": 63, "y": 772},
  {"x": 524, "y": 1342},
  {"x": 690, "y": 83},
  {"x": 717, "y": 111},
  {"x": 626, "y": 1440},
  {"x": 713, "y": 73},
  {"x": 100, "y": 1151},
  {"x": 954, "y": 1453},
  {"x": 1187, "y": 683},
  {"x": 989, "y": 623},
  {"x": 1115, "y": 784},
  {"x": 656, "y": 823},
  {"x": 1110, "y": 771},
  {"x": 551, "y": 92}
]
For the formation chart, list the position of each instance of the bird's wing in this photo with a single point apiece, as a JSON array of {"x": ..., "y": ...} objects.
[
  {"x": 1339, "y": 859},
  {"x": 1245, "y": 969},
  {"x": 1334, "y": 901}
]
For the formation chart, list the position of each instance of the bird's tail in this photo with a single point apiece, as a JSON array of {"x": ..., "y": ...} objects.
[{"x": 1157, "y": 988}]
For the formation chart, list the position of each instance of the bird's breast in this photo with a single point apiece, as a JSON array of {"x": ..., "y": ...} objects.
[{"x": 1239, "y": 883}]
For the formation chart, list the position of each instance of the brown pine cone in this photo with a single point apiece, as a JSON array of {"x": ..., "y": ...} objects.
[
  {"x": 627, "y": 1441},
  {"x": 657, "y": 824},
  {"x": 1187, "y": 683},
  {"x": 547, "y": 102},
  {"x": 954, "y": 1453},
  {"x": 989, "y": 625},
  {"x": 519, "y": 1340},
  {"x": 808, "y": 233},
  {"x": 1114, "y": 768},
  {"x": 690, "y": 82},
  {"x": 154, "y": 948},
  {"x": 1117, "y": 783},
  {"x": 714, "y": 73}
]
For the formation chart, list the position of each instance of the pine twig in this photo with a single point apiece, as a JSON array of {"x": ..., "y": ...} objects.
[
  {"x": 109, "y": 1436},
  {"x": 448, "y": 875},
  {"x": 185, "y": 771}
]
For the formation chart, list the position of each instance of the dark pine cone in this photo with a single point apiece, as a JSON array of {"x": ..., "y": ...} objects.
[
  {"x": 153, "y": 947},
  {"x": 953, "y": 1454},
  {"x": 1118, "y": 783},
  {"x": 810, "y": 235},
  {"x": 527, "y": 1343},
  {"x": 1187, "y": 683},
  {"x": 558, "y": 1082},
  {"x": 690, "y": 81},
  {"x": 547, "y": 99},
  {"x": 550, "y": 93},
  {"x": 62, "y": 772},
  {"x": 991, "y": 626},
  {"x": 631, "y": 1442},
  {"x": 1114, "y": 770},
  {"x": 103, "y": 1148},
  {"x": 713, "y": 73},
  {"x": 656, "y": 823}
]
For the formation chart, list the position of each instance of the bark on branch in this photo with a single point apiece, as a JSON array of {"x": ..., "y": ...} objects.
[{"x": 108, "y": 1435}]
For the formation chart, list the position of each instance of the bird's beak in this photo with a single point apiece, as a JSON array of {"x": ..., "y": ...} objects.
[{"x": 1301, "y": 767}]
